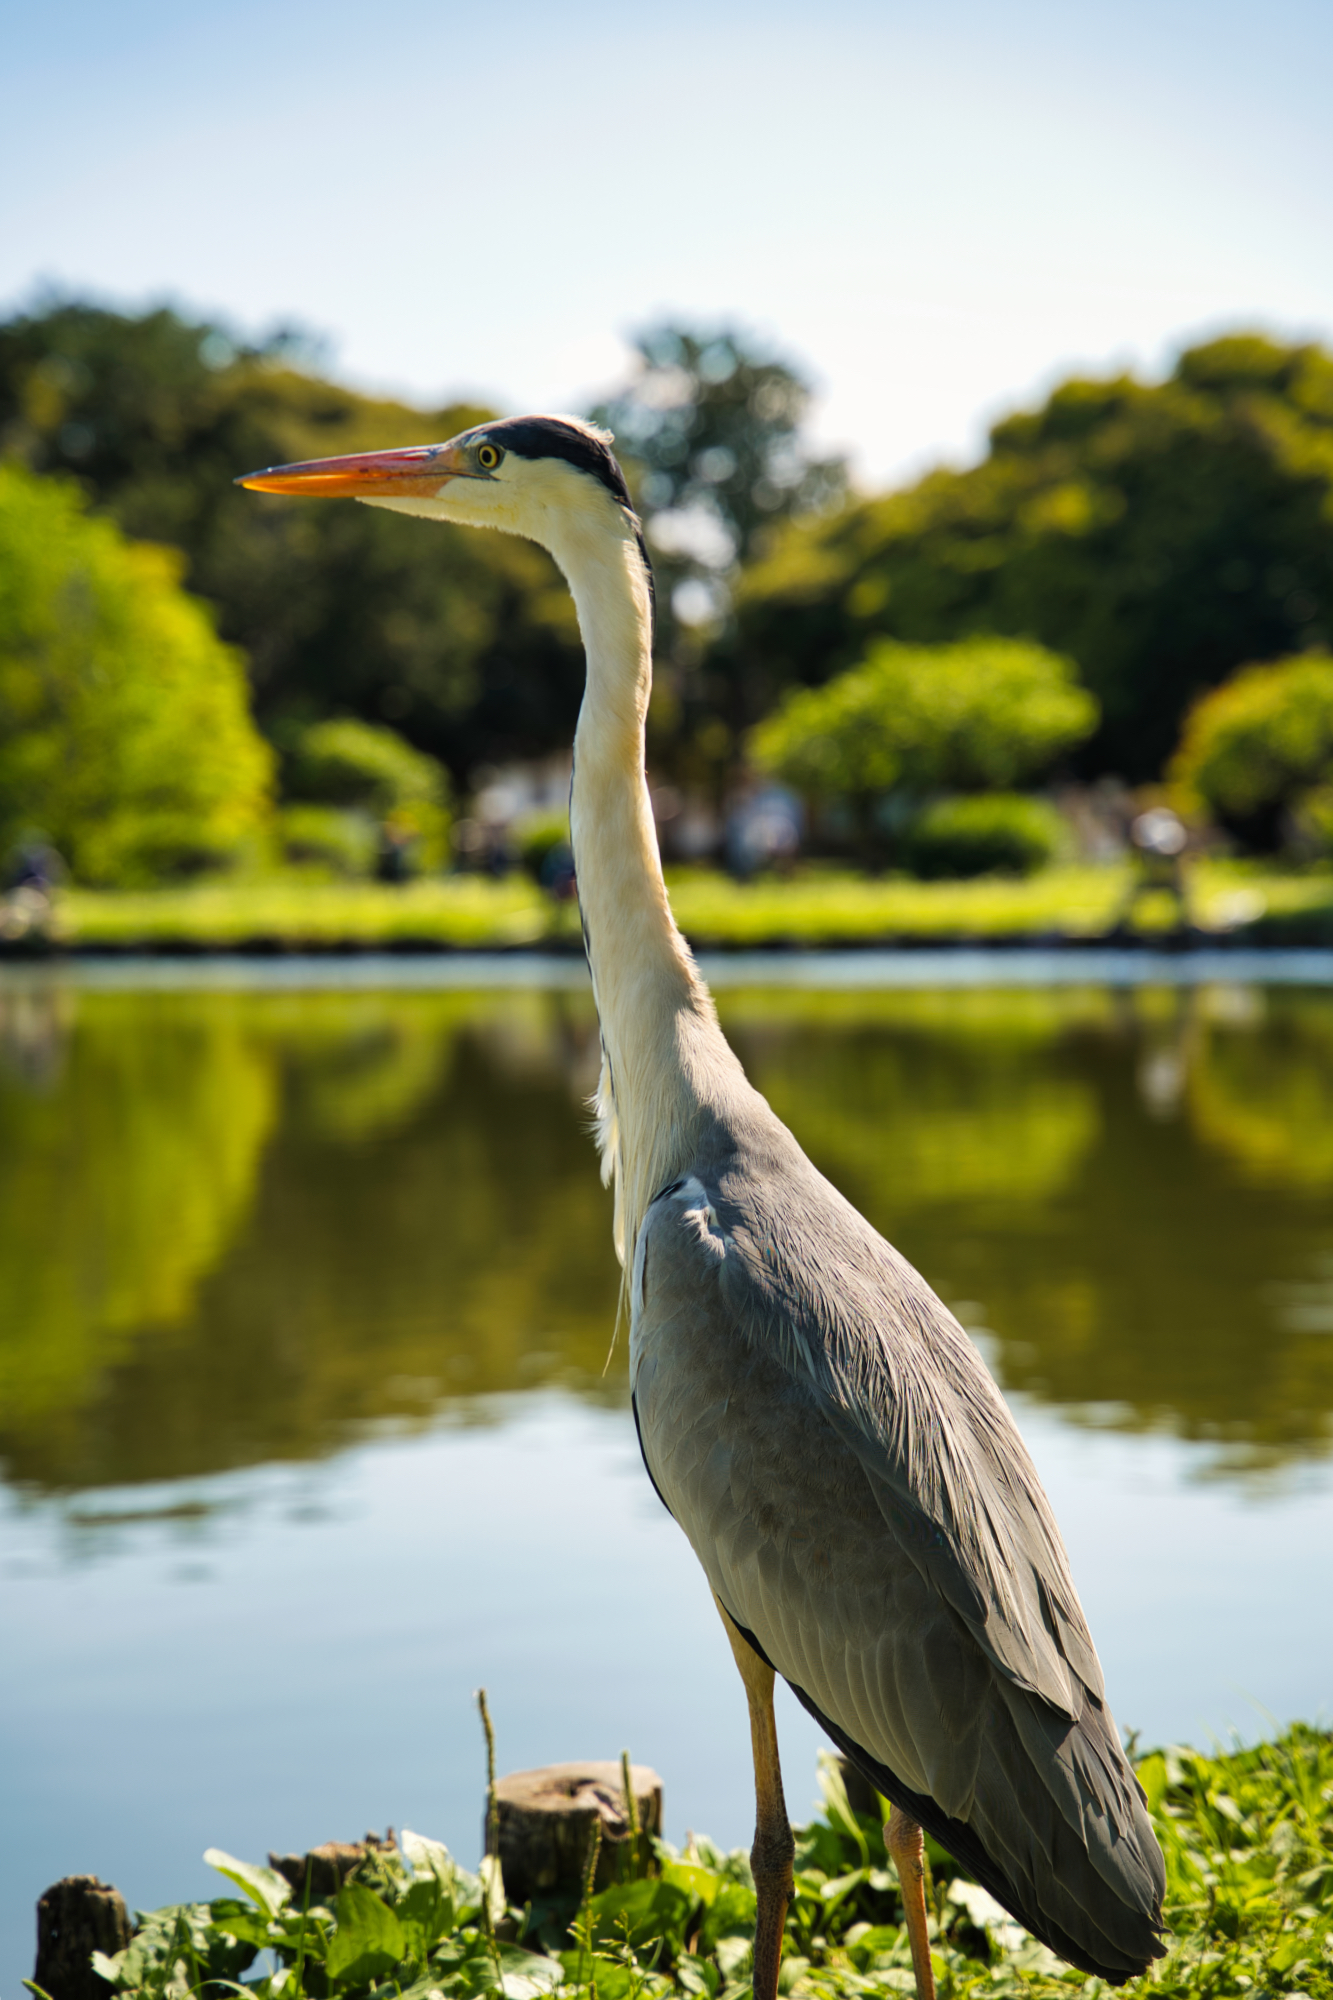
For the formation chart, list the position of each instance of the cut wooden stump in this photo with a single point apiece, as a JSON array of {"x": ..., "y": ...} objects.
[
  {"x": 546, "y": 1819},
  {"x": 329, "y": 1865},
  {"x": 76, "y": 1917}
]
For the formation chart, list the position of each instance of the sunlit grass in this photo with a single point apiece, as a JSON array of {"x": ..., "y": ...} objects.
[{"x": 816, "y": 906}]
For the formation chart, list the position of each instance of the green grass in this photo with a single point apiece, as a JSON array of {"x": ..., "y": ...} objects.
[
  {"x": 1247, "y": 1837},
  {"x": 817, "y": 906}
]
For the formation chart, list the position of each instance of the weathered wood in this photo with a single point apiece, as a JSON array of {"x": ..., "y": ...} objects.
[
  {"x": 546, "y": 1819},
  {"x": 76, "y": 1917},
  {"x": 329, "y": 1864}
]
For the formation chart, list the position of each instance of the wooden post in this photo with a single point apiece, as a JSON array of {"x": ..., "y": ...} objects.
[
  {"x": 545, "y": 1819},
  {"x": 329, "y": 1865},
  {"x": 76, "y": 1917}
]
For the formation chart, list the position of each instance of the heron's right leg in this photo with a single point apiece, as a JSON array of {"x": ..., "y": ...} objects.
[
  {"x": 902, "y": 1837},
  {"x": 771, "y": 1855}
]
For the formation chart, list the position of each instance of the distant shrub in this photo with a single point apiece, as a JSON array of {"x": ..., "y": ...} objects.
[
  {"x": 991, "y": 833},
  {"x": 1253, "y": 750},
  {"x": 347, "y": 842},
  {"x": 541, "y": 838},
  {"x": 125, "y": 731},
  {"x": 983, "y": 713},
  {"x": 367, "y": 768}
]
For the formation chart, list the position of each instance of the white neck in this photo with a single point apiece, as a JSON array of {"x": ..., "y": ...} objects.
[{"x": 664, "y": 1058}]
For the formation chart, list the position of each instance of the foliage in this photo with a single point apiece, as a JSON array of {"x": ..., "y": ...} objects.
[
  {"x": 710, "y": 430},
  {"x": 1160, "y": 536},
  {"x": 819, "y": 905},
  {"x": 1001, "y": 833},
  {"x": 980, "y": 714},
  {"x": 124, "y": 728},
  {"x": 346, "y": 843},
  {"x": 712, "y": 422},
  {"x": 1248, "y": 1841},
  {"x": 466, "y": 642},
  {"x": 367, "y": 768},
  {"x": 542, "y": 840},
  {"x": 1256, "y": 747}
]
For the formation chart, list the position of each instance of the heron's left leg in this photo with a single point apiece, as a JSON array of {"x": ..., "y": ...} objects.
[
  {"x": 902, "y": 1837},
  {"x": 771, "y": 1855}
]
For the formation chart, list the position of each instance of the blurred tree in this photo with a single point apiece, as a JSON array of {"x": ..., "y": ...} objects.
[
  {"x": 366, "y": 769},
  {"x": 467, "y": 644},
  {"x": 710, "y": 431},
  {"x": 125, "y": 734},
  {"x": 982, "y": 715},
  {"x": 1256, "y": 748},
  {"x": 1159, "y": 536}
]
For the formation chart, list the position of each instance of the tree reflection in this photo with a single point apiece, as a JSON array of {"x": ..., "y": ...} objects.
[
  {"x": 235, "y": 1227},
  {"x": 1128, "y": 1199}
]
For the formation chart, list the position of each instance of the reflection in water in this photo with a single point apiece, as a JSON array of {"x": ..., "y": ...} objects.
[{"x": 235, "y": 1226}]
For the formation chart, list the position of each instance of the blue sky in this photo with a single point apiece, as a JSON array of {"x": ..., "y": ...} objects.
[{"x": 938, "y": 210}]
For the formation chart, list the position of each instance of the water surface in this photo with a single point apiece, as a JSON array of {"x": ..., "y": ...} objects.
[{"x": 306, "y": 1292}]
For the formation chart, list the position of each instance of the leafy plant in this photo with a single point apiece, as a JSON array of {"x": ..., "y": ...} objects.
[
  {"x": 125, "y": 731},
  {"x": 1247, "y": 1836},
  {"x": 1256, "y": 748},
  {"x": 915, "y": 719},
  {"x": 1159, "y": 534},
  {"x": 993, "y": 833},
  {"x": 366, "y": 772}
]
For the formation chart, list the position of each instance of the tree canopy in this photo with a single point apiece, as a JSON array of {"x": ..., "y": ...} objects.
[
  {"x": 1254, "y": 749},
  {"x": 982, "y": 714},
  {"x": 125, "y": 733},
  {"x": 1160, "y": 536},
  {"x": 466, "y": 643}
]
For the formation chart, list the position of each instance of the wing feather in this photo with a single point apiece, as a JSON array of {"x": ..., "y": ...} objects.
[{"x": 854, "y": 1487}]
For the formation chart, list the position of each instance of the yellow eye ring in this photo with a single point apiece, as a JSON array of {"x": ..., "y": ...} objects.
[{"x": 488, "y": 457}]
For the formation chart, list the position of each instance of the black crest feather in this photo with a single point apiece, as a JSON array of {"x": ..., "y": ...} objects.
[{"x": 552, "y": 437}]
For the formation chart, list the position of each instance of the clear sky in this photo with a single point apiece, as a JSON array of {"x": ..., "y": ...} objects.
[{"x": 937, "y": 209}]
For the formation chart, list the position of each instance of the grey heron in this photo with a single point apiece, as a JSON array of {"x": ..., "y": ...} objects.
[{"x": 816, "y": 1420}]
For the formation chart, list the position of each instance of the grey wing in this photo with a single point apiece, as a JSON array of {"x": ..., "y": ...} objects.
[{"x": 903, "y": 1573}]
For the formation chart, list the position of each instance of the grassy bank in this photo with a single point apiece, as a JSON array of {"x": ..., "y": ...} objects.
[
  {"x": 1248, "y": 1841},
  {"x": 813, "y": 908}
]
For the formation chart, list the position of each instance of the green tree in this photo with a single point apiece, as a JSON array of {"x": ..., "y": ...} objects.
[
  {"x": 1160, "y": 536},
  {"x": 468, "y": 646},
  {"x": 366, "y": 769},
  {"x": 124, "y": 728},
  {"x": 983, "y": 715},
  {"x": 710, "y": 432},
  {"x": 1254, "y": 749}
]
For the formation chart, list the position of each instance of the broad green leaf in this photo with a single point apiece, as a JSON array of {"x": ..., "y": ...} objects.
[
  {"x": 644, "y": 1909},
  {"x": 106, "y": 1968},
  {"x": 429, "y": 1857},
  {"x": 732, "y": 1915},
  {"x": 695, "y": 1881},
  {"x": 264, "y": 1886},
  {"x": 524, "y": 1974},
  {"x": 369, "y": 1938}
]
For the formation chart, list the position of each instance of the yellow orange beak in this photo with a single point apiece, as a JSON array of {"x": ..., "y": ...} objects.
[{"x": 418, "y": 472}]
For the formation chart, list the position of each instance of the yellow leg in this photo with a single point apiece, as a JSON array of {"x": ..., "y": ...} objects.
[
  {"x": 771, "y": 1855},
  {"x": 902, "y": 1837}
]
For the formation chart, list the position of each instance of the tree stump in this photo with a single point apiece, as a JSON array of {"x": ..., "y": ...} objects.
[
  {"x": 546, "y": 1819},
  {"x": 329, "y": 1864},
  {"x": 75, "y": 1918}
]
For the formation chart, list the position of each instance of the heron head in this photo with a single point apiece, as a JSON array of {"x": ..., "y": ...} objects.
[{"x": 541, "y": 477}]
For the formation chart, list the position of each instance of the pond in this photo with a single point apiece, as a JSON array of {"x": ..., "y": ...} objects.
[{"x": 308, "y": 1426}]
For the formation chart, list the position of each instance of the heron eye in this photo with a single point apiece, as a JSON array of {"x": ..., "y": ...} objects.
[{"x": 488, "y": 456}]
